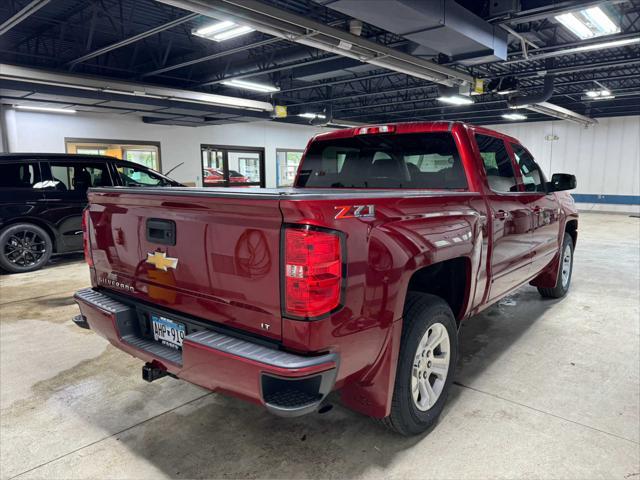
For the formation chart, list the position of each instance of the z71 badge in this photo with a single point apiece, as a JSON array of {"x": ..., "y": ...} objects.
[{"x": 355, "y": 211}]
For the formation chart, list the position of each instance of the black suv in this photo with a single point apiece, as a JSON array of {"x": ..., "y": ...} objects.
[{"x": 42, "y": 196}]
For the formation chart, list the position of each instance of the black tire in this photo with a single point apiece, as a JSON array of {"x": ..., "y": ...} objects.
[
  {"x": 421, "y": 312},
  {"x": 24, "y": 247},
  {"x": 561, "y": 288}
]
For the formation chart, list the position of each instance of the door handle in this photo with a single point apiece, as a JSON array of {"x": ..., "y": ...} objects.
[{"x": 502, "y": 215}]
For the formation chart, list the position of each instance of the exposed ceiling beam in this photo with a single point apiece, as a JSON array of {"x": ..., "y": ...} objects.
[
  {"x": 127, "y": 89},
  {"x": 130, "y": 40},
  {"x": 555, "y": 9},
  {"x": 213, "y": 56},
  {"x": 299, "y": 29},
  {"x": 22, "y": 15}
]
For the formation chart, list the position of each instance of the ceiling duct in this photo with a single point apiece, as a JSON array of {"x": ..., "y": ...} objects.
[
  {"x": 434, "y": 26},
  {"x": 296, "y": 28},
  {"x": 523, "y": 100}
]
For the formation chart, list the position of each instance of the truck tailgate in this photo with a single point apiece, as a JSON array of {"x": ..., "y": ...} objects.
[{"x": 226, "y": 246}]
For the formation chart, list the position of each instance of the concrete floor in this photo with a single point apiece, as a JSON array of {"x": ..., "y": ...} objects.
[{"x": 544, "y": 389}]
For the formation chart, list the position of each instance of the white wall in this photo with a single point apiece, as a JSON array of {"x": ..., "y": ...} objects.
[
  {"x": 43, "y": 132},
  {"x": 605, "y": 158}
]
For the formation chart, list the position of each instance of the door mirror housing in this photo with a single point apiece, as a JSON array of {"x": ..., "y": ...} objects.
[{"x": 561, "y": 181}]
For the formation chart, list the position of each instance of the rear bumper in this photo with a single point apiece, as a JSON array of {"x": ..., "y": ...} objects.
[{"x": 287, "y": 384}]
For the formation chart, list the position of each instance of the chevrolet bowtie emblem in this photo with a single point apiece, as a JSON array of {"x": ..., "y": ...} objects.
[{"x": 161, "y": 261}]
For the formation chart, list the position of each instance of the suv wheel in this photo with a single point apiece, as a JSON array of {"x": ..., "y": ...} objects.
[
  {"x": 24, "y": 247},
  {"x": 428, "y": 351}
]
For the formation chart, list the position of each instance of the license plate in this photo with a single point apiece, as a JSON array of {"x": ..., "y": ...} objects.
[{"x": 167, "y": 331}]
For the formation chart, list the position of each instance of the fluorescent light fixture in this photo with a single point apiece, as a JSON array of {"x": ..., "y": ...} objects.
[
  {"x": 312, "y": 115},
  {"x": 588, "y": 23},
  {"x": 214, "y": 28},
  {"x": 598, "y": 93},
  {"x": 506, "y": 92},
  {"x": 455, "y": 100},
  {"x": 603, "y": 94},
  {"x": 221, "y": 31},
  {"x": 256, "y": 87},
  {"x": 514, "y": 116},
  {"x": 45, "y": 109},
  {"x": 236, "y": 32}
]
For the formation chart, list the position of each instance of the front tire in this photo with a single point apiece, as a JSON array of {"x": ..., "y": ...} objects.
[
  {"x": 24, "y": 247},
  {"x": 428, "y": 352},
  {"x": 565, "y": 271}
]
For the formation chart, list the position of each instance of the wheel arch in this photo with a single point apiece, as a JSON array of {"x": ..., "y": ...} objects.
[{"x": 442, "y": 279}]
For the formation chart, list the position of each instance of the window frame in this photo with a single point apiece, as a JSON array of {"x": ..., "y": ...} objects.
[
  {"x": 37, "y": 165},
  {"x": 45, "y": 169},
  {"x": 285, "y": 151},
  {"x": 514, "y": 167},
  {"x": 105, "y": 142},
  {"x": 543, "y": 177}
]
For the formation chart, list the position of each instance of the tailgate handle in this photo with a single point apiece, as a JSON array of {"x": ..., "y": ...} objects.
[{"x": 161, "y": 231}]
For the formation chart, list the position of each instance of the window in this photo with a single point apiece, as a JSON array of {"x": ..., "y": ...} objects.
[
  {"x": 20, "y": 175},
  {"x": 497, "y": 164},
  {"x": 532, "y": 176},
  {"x": 139, "y": 177},
  {"x": 288, "y": 161},
  {"x": 140, "y": 152},
  {"x": 78, "y": 176},
  {"x": 415, "y": 160},
  {"x": 148, "y": 158}
]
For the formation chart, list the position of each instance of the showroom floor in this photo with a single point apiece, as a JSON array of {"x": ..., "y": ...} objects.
[{"x": 546, "y": 389}]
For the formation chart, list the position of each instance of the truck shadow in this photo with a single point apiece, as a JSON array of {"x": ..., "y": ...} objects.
[{"x": 222, "y": 437}]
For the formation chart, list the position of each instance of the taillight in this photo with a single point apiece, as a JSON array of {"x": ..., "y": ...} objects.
[
  {"x": 85, "y": 237},
  {"x": 312, "y": 272}
]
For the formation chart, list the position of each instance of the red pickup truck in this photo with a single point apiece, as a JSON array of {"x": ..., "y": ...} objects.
[{"x": 355, "y": 280}]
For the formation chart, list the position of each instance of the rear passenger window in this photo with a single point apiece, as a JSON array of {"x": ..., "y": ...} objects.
[
  {"x": 20, "y": 175},
  {"x": 79, "y": 176},
  {"x": 497, "y": 164}
]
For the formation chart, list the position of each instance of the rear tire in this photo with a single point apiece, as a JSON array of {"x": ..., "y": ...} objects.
[
  {"x": 24, "y": 247},
  {"x": 565, "y": 270},
  {"x": 427, "y": 359}
]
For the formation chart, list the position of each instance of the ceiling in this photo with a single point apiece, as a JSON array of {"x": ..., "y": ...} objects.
[{"x": 151, "y": 42}]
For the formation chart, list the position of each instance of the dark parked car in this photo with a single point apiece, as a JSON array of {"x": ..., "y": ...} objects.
[{"x": 42, "y": 196}]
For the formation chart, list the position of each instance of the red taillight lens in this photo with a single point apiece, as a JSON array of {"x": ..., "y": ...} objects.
[
  {"x": 312, "y": 272},
  {"x": 85, "y": 237}
]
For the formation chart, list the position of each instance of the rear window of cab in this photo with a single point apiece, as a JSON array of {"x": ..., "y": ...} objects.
[{"x": 412, "y": 161}]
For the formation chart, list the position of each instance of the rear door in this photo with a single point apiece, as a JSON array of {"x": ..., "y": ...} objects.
[
  {"x": 545, "y": 210},
  {"x": 66, "y": 196},
  {"x": 510, "y": 218}
]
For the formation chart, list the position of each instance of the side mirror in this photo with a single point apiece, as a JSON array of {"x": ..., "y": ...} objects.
[{"x": 561, "y": 181}]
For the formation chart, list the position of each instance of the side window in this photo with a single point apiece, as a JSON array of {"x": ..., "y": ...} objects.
[
  {"x": 78, "y": 177},
  {"x": 24, "y": 175},
  {"x": 532, "y": 176},
  {"x": 497, "y": 164},
  {"x": 138, "y": 177}
]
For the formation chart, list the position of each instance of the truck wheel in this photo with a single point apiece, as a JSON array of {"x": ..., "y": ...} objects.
[
  {"x": 428, "y": 351},
  {"x": 24, "y": 247},
  {"x": 564, "y": 275}
]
